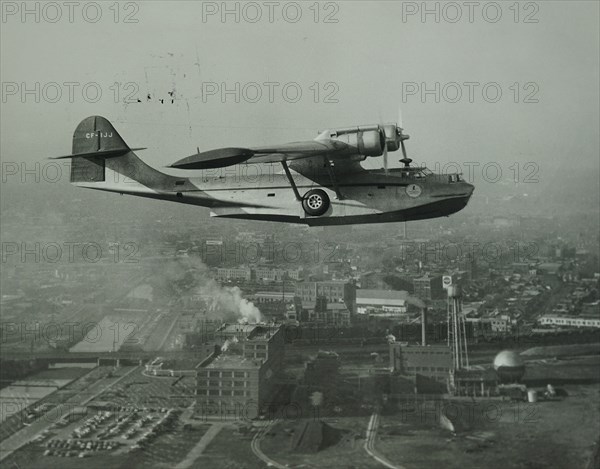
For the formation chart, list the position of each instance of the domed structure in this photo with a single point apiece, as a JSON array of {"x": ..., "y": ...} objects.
[{"x": 509, "y": 366}]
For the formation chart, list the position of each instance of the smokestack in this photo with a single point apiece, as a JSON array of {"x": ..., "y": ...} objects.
[{"x": 424, "y": 326}]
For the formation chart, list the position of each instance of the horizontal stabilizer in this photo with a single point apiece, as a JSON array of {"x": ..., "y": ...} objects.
[{"x": 100, "y": 154}]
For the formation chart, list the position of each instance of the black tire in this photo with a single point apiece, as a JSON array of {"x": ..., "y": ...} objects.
[{"x": 315, "y": 202}]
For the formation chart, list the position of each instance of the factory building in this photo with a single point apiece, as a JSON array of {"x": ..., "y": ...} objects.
[
  {"x": 336, "y": 314},
  {"x": 331, "y": 302},
  {"x": 382, "y": 303},
  {"x": 474, "y": 383},
  {"x": 273, "y": 304},
  {"x": 238, "y": 380},
  {"x": 332, "y": 291},
  {"x": 429, "y": 287},
  {"x": 430, "y": 361}
]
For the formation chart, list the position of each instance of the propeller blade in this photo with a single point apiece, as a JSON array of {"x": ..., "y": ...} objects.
[
  {"x": 384, "y": 144},
  {"x": 400, "y": 117}
]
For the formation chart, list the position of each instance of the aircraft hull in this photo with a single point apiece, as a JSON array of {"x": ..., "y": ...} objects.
[{"x": 371, "y": 197}]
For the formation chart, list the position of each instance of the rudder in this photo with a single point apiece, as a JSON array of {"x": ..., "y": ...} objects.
[
  {"x": 96, "y": 134},
  {"x": 94, "y": 140},
  {"x": 100, "y": 155}
]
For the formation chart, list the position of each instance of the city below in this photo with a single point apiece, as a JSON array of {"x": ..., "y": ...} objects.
[{"x": 258, "y": 348}]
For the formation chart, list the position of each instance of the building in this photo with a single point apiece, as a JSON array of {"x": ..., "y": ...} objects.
[
  {"x": 273, "y": 304},
  {"x": 570, "y": 321},
  {"x": 429, "y": 287},
  {"x": 387, "y": 303},
  {"x": 336, "y": 291},
  {"x": 272, "y": 274},
  {"x": 428, "y": 365},
  {"x": 330, "y": 313},
  {"x": 266, "y": 297},
  {"x": 501, "y": 324},
  {"x": 474, "y": 383},
  {"x": 237, "y": 273},
  {"x": 239, "y": 379}
]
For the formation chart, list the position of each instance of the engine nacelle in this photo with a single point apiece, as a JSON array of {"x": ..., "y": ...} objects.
[
  {"x": 391, "y": 137},
  {"x": 367, "y": 141}
]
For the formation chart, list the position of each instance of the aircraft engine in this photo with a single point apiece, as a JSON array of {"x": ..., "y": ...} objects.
[
  {"x": 391, "y": 137},
  {"x": 369, "y": 142}
]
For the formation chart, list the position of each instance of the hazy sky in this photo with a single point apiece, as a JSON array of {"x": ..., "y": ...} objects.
[{"x": 375, "y": 53}]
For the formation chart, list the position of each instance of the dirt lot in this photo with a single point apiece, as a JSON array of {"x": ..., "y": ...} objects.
[
  {"x": 546, "y": 434},
  {"x": 551, "y": 434},
  {"x": 230, "y": 450},
  {"x": 348, "y": 452}
]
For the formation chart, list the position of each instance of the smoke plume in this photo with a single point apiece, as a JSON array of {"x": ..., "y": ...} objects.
[{"x": 188, "y": 275}]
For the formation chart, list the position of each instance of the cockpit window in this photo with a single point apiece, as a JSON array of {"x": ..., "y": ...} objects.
[
  {"x": 416, "y": 173},
  {"x": 421, "y": 173}
]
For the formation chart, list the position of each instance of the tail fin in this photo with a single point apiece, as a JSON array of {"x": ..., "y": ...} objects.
[
  {"x": 94, "y": 140},
  {"x": 96, "y": 134},
  {"x": 98, "y": 147}
]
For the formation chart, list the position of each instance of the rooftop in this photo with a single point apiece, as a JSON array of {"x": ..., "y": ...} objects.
[
  {"x": 238, "y": 328},
  {"x": 260, "y": 331},
  {"x": 275, "y": 294},
  {"x": 381, "y": 294},
  {"x": 233, "y": 361}
]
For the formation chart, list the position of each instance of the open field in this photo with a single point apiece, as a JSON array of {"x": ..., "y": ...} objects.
[{"x": 551, "y": 434}]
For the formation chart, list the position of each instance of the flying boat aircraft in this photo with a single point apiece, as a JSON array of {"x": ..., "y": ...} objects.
[{"x": 316, "y": 182}]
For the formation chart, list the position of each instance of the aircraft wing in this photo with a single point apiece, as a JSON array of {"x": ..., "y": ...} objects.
[{"x": 273, "y": 154}]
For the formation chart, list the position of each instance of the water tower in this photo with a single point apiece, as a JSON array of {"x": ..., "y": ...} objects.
[{"x": 457, "y": 336}]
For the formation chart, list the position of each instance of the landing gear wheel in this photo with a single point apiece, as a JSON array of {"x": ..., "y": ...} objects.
[{"x": 315, "y": 202}]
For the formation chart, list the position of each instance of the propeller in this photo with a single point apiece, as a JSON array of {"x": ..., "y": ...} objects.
[
  {"x": 383, "y": 139},
  {"x": 397, "y": 129}
]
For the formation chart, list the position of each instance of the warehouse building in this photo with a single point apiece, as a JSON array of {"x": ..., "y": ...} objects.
[
  {"x": 428, "y": 366},
  {"x": 238, "y": 380},
  {"x": 384, "y": 303}
]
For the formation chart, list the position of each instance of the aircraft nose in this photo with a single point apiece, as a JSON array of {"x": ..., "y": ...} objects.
[{"x": 470, "y": 188}]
